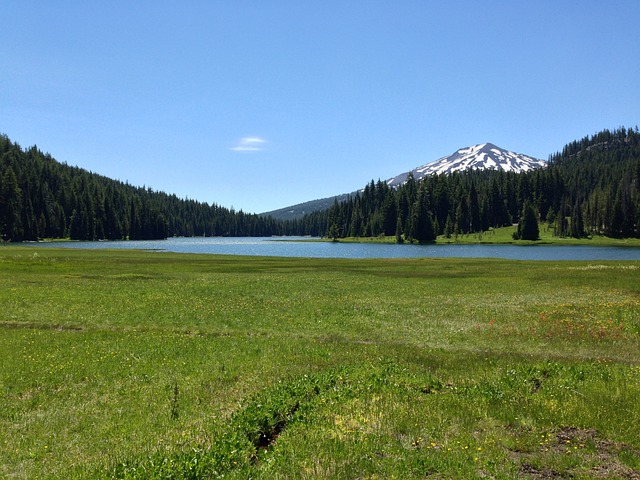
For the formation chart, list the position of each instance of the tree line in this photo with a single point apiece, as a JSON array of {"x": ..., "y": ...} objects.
[
  {"x": 43, "y": 198},
  {"x": 591, "y": 187}
]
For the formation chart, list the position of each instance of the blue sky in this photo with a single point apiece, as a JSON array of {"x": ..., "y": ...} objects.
[{"x": 259, "y": 105}]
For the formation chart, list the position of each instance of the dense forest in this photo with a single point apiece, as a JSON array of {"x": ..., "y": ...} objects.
[
  {"x": 591, "y": 187},
  {"x": 43, "y": 198}
]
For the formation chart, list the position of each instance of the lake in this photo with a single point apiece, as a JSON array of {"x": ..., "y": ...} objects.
[{"x": 301, "y": 247}]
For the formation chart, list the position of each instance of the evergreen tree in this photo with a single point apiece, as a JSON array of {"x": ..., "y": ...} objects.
[
  {"x": 10, "y": 207},
  {"x": 498, "y": 214},
  {"x": 422, "y": 228},
  {"x": 449, "y": 227},
  {"x": 399, "y": 238},
  {"x": 389, "y": 214},
  {"x": 561, "y": 228},
  {"x": 577, "y": 223},
  {"x": 473, "y": 207},
  {"x": 528, "y": 224}
]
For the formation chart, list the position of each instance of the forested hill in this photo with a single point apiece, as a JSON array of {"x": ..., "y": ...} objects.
[
  {"x": 601, "y": 176},
  {"x": 43, "y": 198},
  {"x": 591, "y": 187}
]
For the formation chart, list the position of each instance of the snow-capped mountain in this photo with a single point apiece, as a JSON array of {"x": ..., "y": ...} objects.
[
  {"x": 478, "y": 157},
  {"x": 483, "y": 156}
]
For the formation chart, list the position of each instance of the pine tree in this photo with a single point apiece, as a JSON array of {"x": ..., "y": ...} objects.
[
  {"x": 528, "y": 224},
  {"x": 422, "y": 228},
  {"x": 577, "y": 222},
  {"x": 473, "y": 207},
  {"x": 561, "y": 227},
  {"x": 399, "y": 238},
  {"x": 389, "y": 214},
  {"x": 10, "y": 207},
  {"x": 449, "y": 227}
]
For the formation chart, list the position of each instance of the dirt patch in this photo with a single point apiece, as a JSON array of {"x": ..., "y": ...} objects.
[
  {"x": 529, "y": 471},
  {"x": 601, "y": 458}
]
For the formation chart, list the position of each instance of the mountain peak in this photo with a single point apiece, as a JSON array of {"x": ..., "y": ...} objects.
[
  {"x": 481, "y": 156},
  {"x": 484, "y": 156}
]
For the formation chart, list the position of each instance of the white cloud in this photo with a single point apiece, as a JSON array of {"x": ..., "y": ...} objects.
[{"x": 249, "y": 144}]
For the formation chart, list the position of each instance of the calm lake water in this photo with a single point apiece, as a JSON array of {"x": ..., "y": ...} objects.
[{"x": 297, "y": 247}]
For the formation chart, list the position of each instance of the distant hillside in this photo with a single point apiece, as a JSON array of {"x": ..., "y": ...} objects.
[
  {"x": 486, "y": 156},
  {"x": 300, "y": 210},
  {"x": 43, "y": 198},
  {"x": 591, "y": 187}
]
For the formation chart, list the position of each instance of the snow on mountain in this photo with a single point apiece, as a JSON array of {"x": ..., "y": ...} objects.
[
  {"x": 484, "y": 156},
  {"x": 478, "y": 157}
]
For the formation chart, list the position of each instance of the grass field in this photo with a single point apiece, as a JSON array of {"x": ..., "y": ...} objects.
[
  {"x": 125, "y": 364},
  {"x": 504, "y": 235}
]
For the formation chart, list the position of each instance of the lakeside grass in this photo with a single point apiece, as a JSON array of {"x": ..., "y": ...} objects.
[
  {"x": 128, "y": 364},
  {"x": 503, "y": 235}
]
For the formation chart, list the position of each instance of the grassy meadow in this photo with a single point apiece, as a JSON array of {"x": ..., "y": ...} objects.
[
  {"x": 504, "y": 235},
  {"x": 128, "y": 364}
]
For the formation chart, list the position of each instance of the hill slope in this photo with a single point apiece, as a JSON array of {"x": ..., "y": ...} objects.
[
  {"x": 485, "y": 156},
  {"x": 43, "y": 198},
  {"x": 591, "y": 188},
  {"x": 299, "y": 210}
]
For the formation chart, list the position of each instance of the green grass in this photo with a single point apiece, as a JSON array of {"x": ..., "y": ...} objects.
[
  {"x": 503, "y": 235},
  {"x": 125, "y": 364}
]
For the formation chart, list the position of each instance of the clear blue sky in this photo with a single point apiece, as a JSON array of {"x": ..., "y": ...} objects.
[{"x": 263, "y": 104}]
